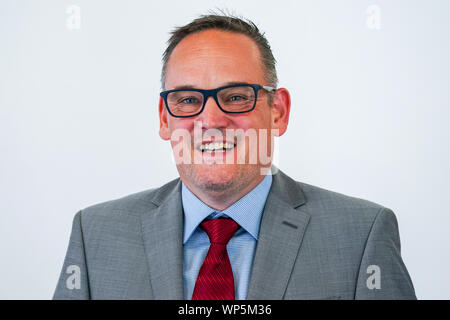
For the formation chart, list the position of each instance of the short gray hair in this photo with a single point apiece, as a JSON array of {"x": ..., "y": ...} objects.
[{"x": 230, "y": 23}]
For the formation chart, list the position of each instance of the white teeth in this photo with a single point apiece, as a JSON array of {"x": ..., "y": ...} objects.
[{"x": 209, "y": 147}]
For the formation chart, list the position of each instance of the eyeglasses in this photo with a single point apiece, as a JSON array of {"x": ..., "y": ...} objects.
[{"x": 237, "y": 98}]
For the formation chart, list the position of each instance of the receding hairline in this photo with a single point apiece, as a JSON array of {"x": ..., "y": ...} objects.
[
  {"x": 239, "y": 34},
  {"x": 219, "y": 30}
]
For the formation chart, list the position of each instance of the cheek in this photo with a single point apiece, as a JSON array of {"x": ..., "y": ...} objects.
[
  {"x": 257, "y": 120},
  {"x": 180, "y": 132},
  {"x": 180, "y": 124}
]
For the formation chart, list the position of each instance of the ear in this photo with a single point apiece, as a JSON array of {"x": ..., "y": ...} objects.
[
  {"x": 280, "y": 109},
  {"x": 163, "y": 121}
]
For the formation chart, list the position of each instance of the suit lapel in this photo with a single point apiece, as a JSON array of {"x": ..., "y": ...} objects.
[
  {"x": 280, "y": 237},
  {"x": 162, "y": 230}
]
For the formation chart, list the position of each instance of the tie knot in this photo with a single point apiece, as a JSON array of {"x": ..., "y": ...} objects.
[{"x": 220, "y": 230}]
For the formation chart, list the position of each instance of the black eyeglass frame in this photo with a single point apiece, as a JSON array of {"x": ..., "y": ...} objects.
[{"x": 213, "y": 93}]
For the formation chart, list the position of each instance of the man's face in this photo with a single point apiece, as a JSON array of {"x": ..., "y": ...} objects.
[{"x": 208, "y": 60}]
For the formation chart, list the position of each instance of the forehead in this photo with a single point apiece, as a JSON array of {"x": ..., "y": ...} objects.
[{"x": 211, "y": 58}]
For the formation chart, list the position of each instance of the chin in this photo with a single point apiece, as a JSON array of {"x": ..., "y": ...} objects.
[
  {"x": 216, "y": 186},
  {"x": 215, "y": 177}
]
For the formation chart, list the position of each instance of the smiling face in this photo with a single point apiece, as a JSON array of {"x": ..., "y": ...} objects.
[{"x": 208, "y": 60}]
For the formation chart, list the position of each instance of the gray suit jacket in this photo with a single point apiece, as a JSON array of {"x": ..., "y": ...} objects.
[{"x": 313, "y": 244}]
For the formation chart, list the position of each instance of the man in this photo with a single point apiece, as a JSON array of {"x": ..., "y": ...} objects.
[{"x": 230, "y": 228}]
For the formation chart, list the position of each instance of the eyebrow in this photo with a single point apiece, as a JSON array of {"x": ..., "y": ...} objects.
[{"x": 230, "y": 83}]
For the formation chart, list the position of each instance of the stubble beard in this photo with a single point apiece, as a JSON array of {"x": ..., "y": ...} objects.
[{"x": 210, "y": 183}]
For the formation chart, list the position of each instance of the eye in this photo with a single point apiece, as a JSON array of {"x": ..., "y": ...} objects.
[
  {"x": 237, "y": 98},
  {"x": 189, "y": 100}
]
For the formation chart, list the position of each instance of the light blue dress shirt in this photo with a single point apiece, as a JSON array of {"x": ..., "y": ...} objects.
[{"x": 247, "y": 212}]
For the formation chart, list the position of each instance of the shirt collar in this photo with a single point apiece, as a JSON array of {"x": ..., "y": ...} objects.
[{"x": 247, "y": 211}]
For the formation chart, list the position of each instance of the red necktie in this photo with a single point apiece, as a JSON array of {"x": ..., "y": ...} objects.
[{"x": 215, "y": 280}]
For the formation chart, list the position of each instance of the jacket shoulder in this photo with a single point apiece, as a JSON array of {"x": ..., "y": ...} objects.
[
  {"x": 340, "y": 213},
  {"x": 129, "y": 206},
  {"x": 328, "y": 199}
]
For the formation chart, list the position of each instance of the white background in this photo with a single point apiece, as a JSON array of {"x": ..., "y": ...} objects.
[{"x": 79, "y": 125}]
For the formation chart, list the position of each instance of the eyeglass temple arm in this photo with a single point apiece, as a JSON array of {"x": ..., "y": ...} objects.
[{"x": 270, "y": 89}]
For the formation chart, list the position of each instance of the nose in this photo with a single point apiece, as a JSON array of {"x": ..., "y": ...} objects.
[{"x": 212, "y": 117}]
